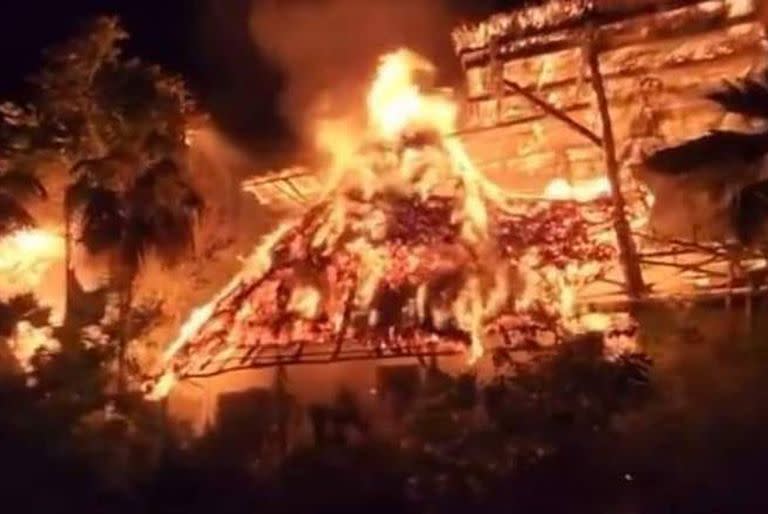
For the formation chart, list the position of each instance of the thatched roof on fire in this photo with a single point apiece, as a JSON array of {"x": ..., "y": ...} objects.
[{"x": 389, "y": 276}]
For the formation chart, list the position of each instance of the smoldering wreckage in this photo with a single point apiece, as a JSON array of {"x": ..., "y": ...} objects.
[{"x": 488, "y": 231}]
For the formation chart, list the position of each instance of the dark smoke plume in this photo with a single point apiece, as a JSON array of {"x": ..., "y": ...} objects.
[
  {"x": 268, "y": 62},
  {"x": 327, "y": 50}
]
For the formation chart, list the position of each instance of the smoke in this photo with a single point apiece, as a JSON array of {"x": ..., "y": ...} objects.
[{"x": 327, "y": 50}]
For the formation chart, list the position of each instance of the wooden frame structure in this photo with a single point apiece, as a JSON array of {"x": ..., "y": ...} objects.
[
  {"x": 307, "y": 353},
  {"x": 530, "y": 64}
]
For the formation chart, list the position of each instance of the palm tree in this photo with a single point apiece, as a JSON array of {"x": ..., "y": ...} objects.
[
  {"x": 728, "y": 164},
  {"x": 153, "y": 212},
  {"x": 16, "y": 186},
  {"x": 90, "y": 179}
]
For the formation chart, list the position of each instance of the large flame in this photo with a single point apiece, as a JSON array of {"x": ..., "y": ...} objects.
[
  {"x": 583, "y": 191},
  {"x": 396, "y": 102},
  {"x": 409, "y": 151},
  {"x": 25, "y": 256}
]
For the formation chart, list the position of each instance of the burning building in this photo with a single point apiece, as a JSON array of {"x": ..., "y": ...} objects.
[
  {"x": 658, "y": 61},
  {"x": 436, "y": 242}
]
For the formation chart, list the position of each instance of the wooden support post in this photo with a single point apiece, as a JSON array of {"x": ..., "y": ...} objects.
[{"x": 627, "y": 250}]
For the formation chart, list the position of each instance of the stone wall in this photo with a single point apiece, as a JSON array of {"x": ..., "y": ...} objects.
[{"x": 658, "y": 59}]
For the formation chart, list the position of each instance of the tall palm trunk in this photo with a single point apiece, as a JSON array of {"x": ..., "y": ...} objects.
[
  {"x": 124, "y": 336},
  {"x": 68, "y": 272}
]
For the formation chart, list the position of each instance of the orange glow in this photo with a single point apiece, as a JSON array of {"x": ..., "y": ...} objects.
[
  {"x": 25, "y": 256},
  {"x": 389, "y": 159},
  {"x": 28, "y": 341},
  {"x": 305, "y": 302},
  {"x": 583, "y": 191},
  {"x": 396, "y": 103}
]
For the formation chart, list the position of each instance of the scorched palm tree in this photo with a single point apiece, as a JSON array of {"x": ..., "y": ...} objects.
[{"x": 153, "y": 212}]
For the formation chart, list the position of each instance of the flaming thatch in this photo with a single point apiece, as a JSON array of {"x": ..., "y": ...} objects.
[{"x": 411, "y": 253}]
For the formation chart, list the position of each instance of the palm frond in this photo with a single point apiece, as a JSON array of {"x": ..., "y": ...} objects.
[
  {"x": 709, "y": 151},
  {"x": 749, "y": 212},
  {"x": 748, "y": 96},
  {"x": 103, "y": 220},
  {"x": 88, "y": 167},
  {"x": 13, "y": 215},
  {"x": 18, "y": 308},
  {"x": 164, "y": 210},
  {"x": 76, "y": 194},
  {"x": 105, "y": 170},
  {"x": 136, "y": 243},
  {"x": 22, "y": 185}
]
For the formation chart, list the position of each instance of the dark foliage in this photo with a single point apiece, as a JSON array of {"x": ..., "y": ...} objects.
[
  {"x": 16, "y": 186},
  {"x": 709, "y": 151},
  {"x": 749, "y": 212},
  {"x": 164, "y": 208},
  {"x": 135, "y": 212},
  {"x": 749, "y": 96},
  {"x": 21, "y": 308},
  {"x": 102, "y": 220},
  {"x": 13, "y": 216},
  {"x": 22, "y": 185}
]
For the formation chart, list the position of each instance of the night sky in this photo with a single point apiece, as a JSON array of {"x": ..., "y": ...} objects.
[{"x": 207, "y": 41}]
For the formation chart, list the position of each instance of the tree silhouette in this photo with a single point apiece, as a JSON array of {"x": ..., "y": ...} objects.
[
  {"x": 18, "y": 182},
  {"x": 727, "y": 160},
  {"x": 131, "y": 217},
  {"x": 16, "y": 186},
  {"x": 106, "y": 117}
]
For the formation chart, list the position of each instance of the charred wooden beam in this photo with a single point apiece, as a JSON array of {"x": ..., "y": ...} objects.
[{"x": 555, "y": 112}]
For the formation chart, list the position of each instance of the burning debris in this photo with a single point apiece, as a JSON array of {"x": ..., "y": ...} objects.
[{"x": 411, "y": 252}]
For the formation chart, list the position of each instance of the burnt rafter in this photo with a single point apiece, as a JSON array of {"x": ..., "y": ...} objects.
[{"x": 554, "y": 111}]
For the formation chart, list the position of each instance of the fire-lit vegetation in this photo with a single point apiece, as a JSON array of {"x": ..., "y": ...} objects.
[
  {"x": 411, "y": 252},
  {"x": 518, "y": 384}
]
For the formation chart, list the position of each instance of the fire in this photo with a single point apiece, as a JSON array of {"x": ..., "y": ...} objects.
[
  {"x": 357, "y": 266},
  {"x": 584, "y": 191},
  {"x": 396, "y": 102},
  {"x": 25, "y": 257},
  {"x": 28, "y": 342}
]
